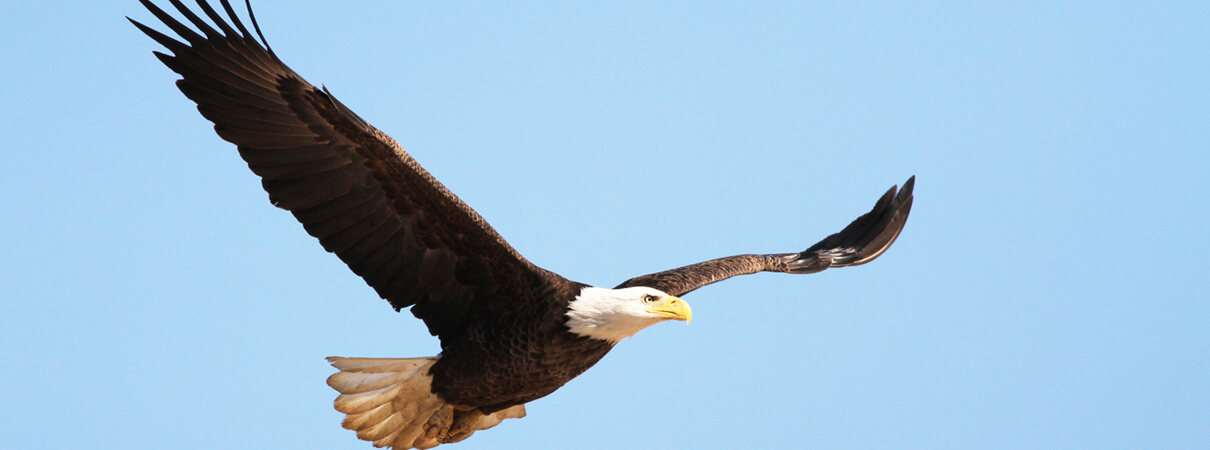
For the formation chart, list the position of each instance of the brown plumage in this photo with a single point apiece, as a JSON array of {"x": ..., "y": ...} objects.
[
  {"x": 864, "y": 239},
  {"x": 510, "y": 332}
]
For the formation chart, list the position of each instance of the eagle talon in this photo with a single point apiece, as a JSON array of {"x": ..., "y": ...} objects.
[
  {"x": 439, "y": 423},
  {"x": 465, "y": 423}
]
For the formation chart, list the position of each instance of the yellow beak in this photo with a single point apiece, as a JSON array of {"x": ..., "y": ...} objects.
[{"x": 672, "y": 308}]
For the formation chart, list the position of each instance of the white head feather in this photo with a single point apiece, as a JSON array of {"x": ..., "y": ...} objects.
[{"x": 615, "y": 314}]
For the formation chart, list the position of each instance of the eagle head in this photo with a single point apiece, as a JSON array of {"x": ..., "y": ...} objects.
[{"x": 614, "y": 314}]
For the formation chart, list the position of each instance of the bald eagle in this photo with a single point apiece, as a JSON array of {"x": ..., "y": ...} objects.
[{"x": 510, "y": 332}]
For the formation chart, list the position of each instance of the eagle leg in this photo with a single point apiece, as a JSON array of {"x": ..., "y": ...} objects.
[
  {"x": 449, "y": 425},
  {"x": 439, "y": 423},
  {"x": 465, "y": 424}
]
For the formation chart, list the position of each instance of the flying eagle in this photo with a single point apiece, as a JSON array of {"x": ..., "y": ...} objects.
[{"x": 510, "y": 332}]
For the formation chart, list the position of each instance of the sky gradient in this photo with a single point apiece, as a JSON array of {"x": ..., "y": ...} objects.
[{"x": 1050, "y": 289}]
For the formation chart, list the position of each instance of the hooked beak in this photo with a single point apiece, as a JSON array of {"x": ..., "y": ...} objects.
[{"x": 672, "y": 308}]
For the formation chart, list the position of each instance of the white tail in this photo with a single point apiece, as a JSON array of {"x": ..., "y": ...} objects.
[{"x": 389, "y": 401}]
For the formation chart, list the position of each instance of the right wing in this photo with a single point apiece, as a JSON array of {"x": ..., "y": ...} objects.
[{"x": 863, "y": 240}]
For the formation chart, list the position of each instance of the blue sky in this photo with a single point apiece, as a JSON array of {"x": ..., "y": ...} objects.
[{"x": 1050, "y": 289}]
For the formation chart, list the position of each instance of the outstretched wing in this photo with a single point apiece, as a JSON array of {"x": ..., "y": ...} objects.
[
  {"x": 859, "y": 243},
  {"x": 352, "y": 186}
]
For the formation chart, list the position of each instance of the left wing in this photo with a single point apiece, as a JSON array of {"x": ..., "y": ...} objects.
[
  {"x": 349, "y": 184},
  {"x": 861, "y": 242}
]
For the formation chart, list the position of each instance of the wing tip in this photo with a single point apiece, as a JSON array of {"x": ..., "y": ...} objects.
[
  {"x": 908, "y": 187},
  {"x": 867, "y": 237}
]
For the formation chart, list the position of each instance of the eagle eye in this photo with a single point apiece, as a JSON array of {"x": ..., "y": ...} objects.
[{"x": 648, "y": 298}]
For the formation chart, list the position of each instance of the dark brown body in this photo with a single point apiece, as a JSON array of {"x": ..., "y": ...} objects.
[{"x": 515, "y": 358}]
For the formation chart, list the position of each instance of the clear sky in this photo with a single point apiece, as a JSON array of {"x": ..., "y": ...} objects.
[{"x": 1050, "y": 289}]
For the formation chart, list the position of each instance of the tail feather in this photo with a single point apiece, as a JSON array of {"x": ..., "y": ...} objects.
[
  {"x": 357, "y": 421},
  {"x": 383, "y": 430},
  {"x": 356, "y": 383},
  {"x": 389, "y": 401},
  {"x": 355, "y": 403},
  {"x": 380, "y": 365}
]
